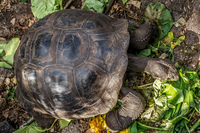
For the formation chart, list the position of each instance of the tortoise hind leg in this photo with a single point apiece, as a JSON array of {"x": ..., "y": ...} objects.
[
  {"x": 132, "y": 106},
  {"x": 162, "y": 69},
  {"x": 43, "y": 122}
]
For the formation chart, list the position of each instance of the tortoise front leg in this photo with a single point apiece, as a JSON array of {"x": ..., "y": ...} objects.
[
  {"x": 132, "y": 106},
  {"x": 162, "y": 69}
]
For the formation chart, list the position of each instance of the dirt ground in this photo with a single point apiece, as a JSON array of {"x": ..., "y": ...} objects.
[{"x": 16, "y": 17}]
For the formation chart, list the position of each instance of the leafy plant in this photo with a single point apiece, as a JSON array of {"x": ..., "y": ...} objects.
[
  {"x": 173, "y": 101},
  {"x": 11, "y": 93},
  {"x": 96, "y": 5},
  {"x": 157, "y": 13},
  {"x": 7, "y": 52},
  {"x": 42, "y": 8},
  {"x": 33, "y": 128},
  {"x": 63, "y": 123}
]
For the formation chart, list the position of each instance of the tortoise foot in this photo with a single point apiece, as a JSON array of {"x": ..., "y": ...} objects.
[
  {"x": 162, "y": 69},
  {"x": 44, "y": 122},
  {"x": 141, "y": 36},
  {"x": 132, "y": 106}
]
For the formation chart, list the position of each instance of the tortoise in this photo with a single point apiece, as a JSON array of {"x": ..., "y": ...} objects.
[{"x": 71, "y": 64}]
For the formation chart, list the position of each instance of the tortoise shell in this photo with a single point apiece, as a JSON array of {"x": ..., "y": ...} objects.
[{"x": 71, "y": 63}]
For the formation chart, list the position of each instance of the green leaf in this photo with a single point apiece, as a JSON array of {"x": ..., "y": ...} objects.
[
  {"x": 5, "y": 65},
  {"x": 12, "y": 46},
  {"x": 189, "y": 98},
  {"x": 168, "y": 113},
  {"x": 41, "y": 8},
  {"x": 144, "y": 53},
  {"x": 174, "y": 95},
  {"x": 133, "y": 128},
  {"x": 156, "y": 12},
  {"x": 9, "y": 50},
  {"x": 96, "y": 5},
  {"x": 161, "y": 101},
  {"x": 32, "y": 128},
  {"x": 63, "y": 123},
  {"x": 124, "y": 1},
  {"x": 2, "y": 50}
]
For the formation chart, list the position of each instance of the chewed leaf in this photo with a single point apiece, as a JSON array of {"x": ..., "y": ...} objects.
[
  {"x": 96, "y": 5},
  {"x": 41, "y": 8},
  {"x": 63, "y": 123},
  {"x": 8, "y": 52},
  {"x": 2, "y": 50},
  {"x": 168, "y": 38},
  {"x": 156, "y": 12}
]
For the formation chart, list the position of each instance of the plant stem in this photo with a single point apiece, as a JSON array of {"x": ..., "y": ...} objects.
[
  {"x": 68, "y": 4},
  {"x": 192, "y": 114},
  {"x": 194, "y": 126},
  {"x": 141, "y": 86},
  {"x": 29, "y": 121},
  {"x": 1, "y": 59},
  {"x": 61, "y": 7},
  {"x": 156, "y": 128},
  {"x": 109, "y": 7}
]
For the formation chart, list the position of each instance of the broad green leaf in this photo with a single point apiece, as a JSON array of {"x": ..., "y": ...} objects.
[
  {"x": 2, "y": 50},
  {"x": 41, "y": 8},
  {"x": 189, "y": 98},
  {"x": 124, "y": 1},
  {"x": 9, "y": 51},
  {"x": 96, "y": 5},
  {"x": 144, "y": 53},
  {"x": 63, "y": 123},
  {"x": 174, "y": 95},
  {"x": 12, "y": 46},
  {"x": 133, "y": 128},
  {"x": 32, "y": 128},
  {"x": 142, "y": 129},
  {"x": 161, "y": 101},
  {"x": 192, "y": 75},
  {"x": 21, "y": 130},
  {"x": 5, "y": 65},
  {"x": 156, "y": 12},
  {"x": 148, "y": 113}
]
